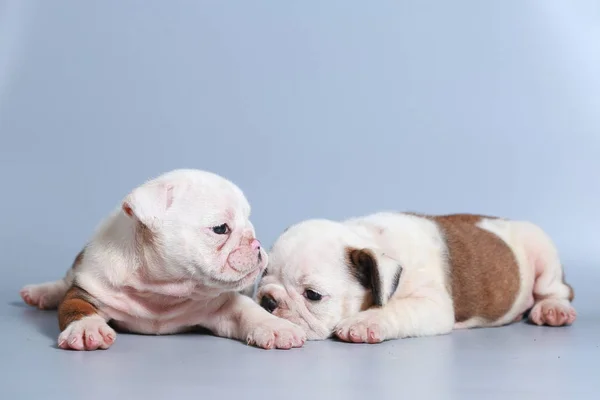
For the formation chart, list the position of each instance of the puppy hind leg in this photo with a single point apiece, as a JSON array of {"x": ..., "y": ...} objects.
[{"x": 552, "y": 295}]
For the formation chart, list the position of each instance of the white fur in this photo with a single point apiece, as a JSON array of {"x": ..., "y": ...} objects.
[
  {"x": 310, "y": 255},
  {"x": 186, "y": 276}
]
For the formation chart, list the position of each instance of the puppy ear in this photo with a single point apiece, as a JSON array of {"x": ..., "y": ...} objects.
[
  {"x": 379, "y": 274},
  {"x": 149, "y": 202}
]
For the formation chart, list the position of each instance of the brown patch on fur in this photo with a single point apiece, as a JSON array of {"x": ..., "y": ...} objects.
[
  {"x": 484, "y": 273},
  {"x": 76, "y": 304}
]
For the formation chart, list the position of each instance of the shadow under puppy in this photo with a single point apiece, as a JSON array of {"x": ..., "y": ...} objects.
[
  {"x": 394, "y": 275},
  {"x": 172, "y": 257}
]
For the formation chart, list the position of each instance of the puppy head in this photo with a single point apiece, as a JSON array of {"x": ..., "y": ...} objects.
[
  {"x": 321, "y": 272},
  {"x": 197, "y": 225}
]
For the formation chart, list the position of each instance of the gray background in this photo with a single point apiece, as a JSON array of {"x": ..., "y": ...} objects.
[{"x": 315, "y": 109}]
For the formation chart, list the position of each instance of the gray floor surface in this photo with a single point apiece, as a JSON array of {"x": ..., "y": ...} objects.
[{"x": 514, "y": 362}]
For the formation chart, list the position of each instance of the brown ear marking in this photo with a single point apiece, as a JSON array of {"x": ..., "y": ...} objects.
[
  {"x": 363, "y": 266},
  {"x": 76, "y": 304}
]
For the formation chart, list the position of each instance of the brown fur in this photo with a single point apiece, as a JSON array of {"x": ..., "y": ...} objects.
[
  {"x": 357, "y": 271},
  {"x": 363, "y": 267},
  {"x": 484, "y": 273},
  {"x": 76, "y": 304}
]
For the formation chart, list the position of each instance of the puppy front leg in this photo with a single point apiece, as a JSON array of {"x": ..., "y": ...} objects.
[
  {"x": 243, "y": 319},
  {"x": 399, "y": 318},
  {"x": 82, "y": 327}
]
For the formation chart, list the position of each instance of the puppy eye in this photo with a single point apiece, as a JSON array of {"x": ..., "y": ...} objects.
[
  {"x": 221, "y": 229},
  {"x": 312, "y": 295}
]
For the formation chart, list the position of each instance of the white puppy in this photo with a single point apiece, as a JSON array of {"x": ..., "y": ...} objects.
[
  {"x": 172, "y": 257},
  {"x": 396, "y": 275}
]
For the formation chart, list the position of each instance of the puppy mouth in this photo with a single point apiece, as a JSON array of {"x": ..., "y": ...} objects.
[
  {"x": 235, "y": 283},
  {"x": 228, "y": 265},
  {"x": 223, "y": 279},
  {"x": 245, "y": 274}
]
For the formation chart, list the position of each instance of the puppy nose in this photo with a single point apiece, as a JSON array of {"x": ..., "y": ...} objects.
[
  {"x": 255, "y": 244},
  {"x": 268, "y": 303}
]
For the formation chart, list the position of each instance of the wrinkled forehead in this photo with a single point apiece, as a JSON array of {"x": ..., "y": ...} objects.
[
  {"x": 219, "y": 194},
  {"x": 298, "y": 257}
]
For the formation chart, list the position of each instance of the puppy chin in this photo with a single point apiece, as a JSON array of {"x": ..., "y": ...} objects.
[
  {"x": 233, "y": 280},
  {"x": 249, "y": 279}
]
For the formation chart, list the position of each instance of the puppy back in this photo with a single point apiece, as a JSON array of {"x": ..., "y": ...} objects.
[{"x": 483, "y": 270}]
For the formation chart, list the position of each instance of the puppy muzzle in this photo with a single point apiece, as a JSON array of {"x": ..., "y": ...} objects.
[{"x": 246, "y": 257}]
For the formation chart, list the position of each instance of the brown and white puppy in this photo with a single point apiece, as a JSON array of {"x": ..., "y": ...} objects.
[
  {"x": 395, "y": 275},
  {"x": 170, "y": 258}
]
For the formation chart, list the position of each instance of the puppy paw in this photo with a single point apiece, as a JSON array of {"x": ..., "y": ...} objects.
[
  {"x": 365, "y": 327},
  {"x": 88, "y": 333},
  {"x": 45, "y": 296},
  {"x": 276, "y": 333},
  {"x": 553, "y": 312}
]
